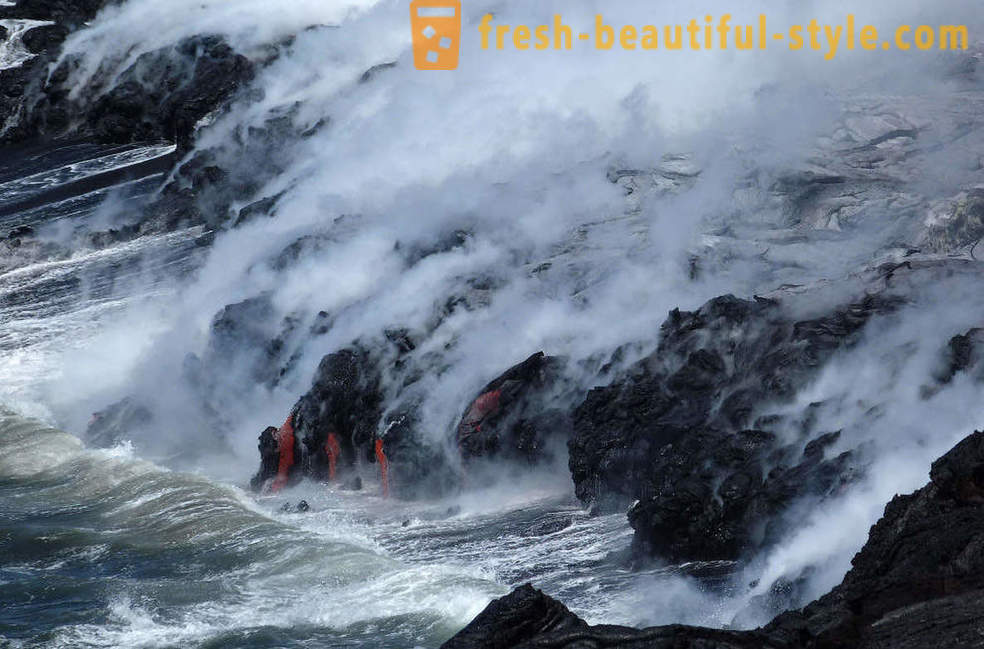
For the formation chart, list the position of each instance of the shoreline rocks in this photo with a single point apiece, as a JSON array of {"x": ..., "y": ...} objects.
[
  {"x": 339, "y": 424},
  {"x": 917, "y": 582},
  {"x": 691, "y": 432},
  {"x": 331, "y": 426},
  {"x": 512, "y": 417},
  {"x": 699, "y": 438}
]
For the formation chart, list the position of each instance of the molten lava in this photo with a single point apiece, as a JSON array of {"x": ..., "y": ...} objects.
[
  {"x": 334, "y": 450},
  {"x": 485, "y": 405},
  {"x": 383, "y": 467},
  {"x": 285, "y": 445}
]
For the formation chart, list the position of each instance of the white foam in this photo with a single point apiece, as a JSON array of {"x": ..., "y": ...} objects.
[
  {"x": 76, "y": 171},
  {"x": 12, "y": 51}
]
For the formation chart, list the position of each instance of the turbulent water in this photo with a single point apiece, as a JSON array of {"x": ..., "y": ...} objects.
[
  {"x": 102, "y": 549},
  {"x": 595, "y": 195},
  {"x": 105, "y": 549}
]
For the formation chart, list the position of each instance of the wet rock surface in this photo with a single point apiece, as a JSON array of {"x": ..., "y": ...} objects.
[
  {"x": 917, "y": 582},
  {"x": 512, "y": 620},
  {"x": 161, "y": 97},
  {"x": 114, "y": 424},
  {"x": 18, "y": 83}
]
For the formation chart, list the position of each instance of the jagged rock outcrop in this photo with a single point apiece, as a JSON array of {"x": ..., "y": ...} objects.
[
  {"x": 339, "y": 424},
  {"x": 117, "y": 422},
  {"x": 513, "y": 417},
  {"x": 964, "y": 354},
  {"x": 918, "y": 582},
  {"x": 689, "y": 431},
  {"x": 677, "y": 432},
  {"x": 160, "y": 97},
  {"x": 510, "y": 621},
  {"x": 331, "y": 426}
]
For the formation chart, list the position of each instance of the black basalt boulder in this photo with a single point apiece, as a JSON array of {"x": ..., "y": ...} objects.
[
  {"x": 676, "y": 432},
  {"x": 117, "y": 422},
  {"x": 517, "y": 415},
  {"x": 331, "y": 427},
  {"x": 508, "y": 621}
]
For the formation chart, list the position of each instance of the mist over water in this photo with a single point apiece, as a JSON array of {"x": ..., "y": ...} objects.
[
  {"x": 573, "y": 199},
  {"x": 518, "y": 161}
]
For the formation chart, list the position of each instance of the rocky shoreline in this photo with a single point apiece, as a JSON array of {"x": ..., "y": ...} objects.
[
  {"x": 714, "y": 395},
  {"x": 917, "y": 582},
  {"x": 699, "y": 430}
]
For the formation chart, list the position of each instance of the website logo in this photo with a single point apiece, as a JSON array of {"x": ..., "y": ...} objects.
[{"x": 436, "y": 26}]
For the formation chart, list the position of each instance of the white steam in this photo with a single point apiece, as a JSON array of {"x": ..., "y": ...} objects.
[{"x": 515, "y": 149}]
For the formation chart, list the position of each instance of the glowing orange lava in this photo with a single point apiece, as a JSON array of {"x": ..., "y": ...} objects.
[
  {"x": 285, "y": 445},
  {"x": 334, "y": 450},
  {"x": 383, "y": 467}
]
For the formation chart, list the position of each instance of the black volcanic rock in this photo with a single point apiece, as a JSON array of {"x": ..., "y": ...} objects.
[
  {"x": 45, "y": 37},
  {"x": 919, "y": 580},
  {"x": 508, "y": 621},
  {"x": 418, "y": 468},
  {"x": 269, "y": 459},
  {"x": 527, "y": 618},
  {"x": 331, "y": 426},
  {"x": 917, "y": 583},
  {"x": 164, "y": 94},
  {"x": 26, "y": 81},
  {"x": 512, "y": 417},
  {"x": 71, "y": 13},
  {"x": 676, "y": 432},
  {"x": 345, "y": 407},
  {"x": 344, "y": 400},
  {"x": 964, "y": 354},
  {"x": 117, "y": 422},
  {"x": 721, "y": 508},
  {"x": 161, "y": 97}
]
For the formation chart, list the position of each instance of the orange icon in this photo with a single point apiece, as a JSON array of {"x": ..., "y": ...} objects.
[{"x": 436, "y": 26}]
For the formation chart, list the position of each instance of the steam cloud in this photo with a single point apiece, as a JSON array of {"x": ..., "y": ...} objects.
[{"x": 516, "y": 149}]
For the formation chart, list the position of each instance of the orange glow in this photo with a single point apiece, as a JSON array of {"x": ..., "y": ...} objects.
[
  {"x": 285, "y": 445},
  {"x": 383, "y": 467},
  {"x": 334, "y": 451}
]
